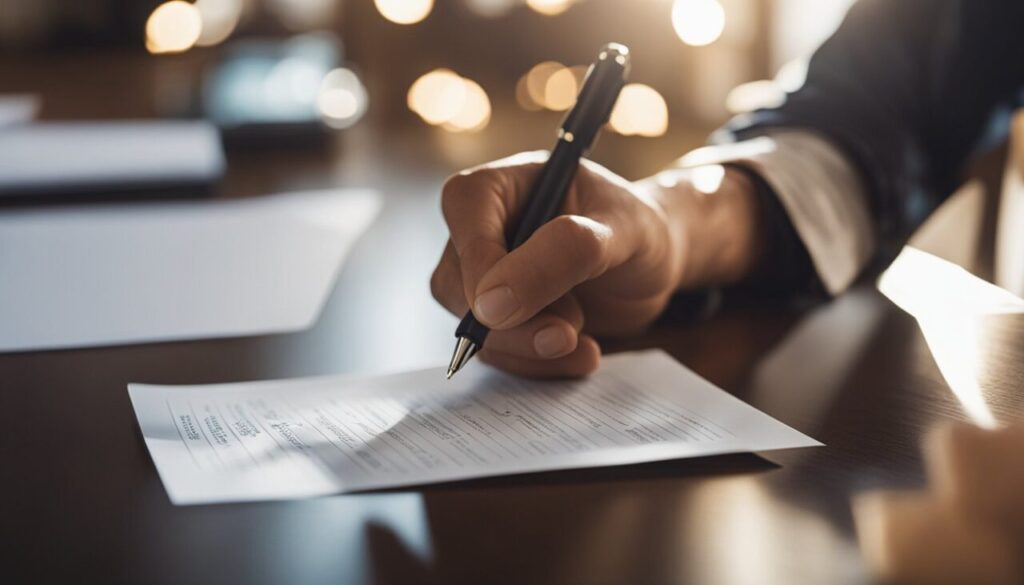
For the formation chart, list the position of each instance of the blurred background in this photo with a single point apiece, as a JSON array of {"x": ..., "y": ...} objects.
[
  {"x": 395, "y": 94},
  {"x": 469, "y": 79}
]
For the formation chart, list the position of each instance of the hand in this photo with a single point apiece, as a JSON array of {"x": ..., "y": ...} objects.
[{"x": 607, "y": 267}]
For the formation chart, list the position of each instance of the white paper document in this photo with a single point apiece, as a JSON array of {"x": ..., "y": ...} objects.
[
  {"x": 317, "y": 436},
  {"x": 124, "y": 273},
  {"x": 59, "y": 157}
]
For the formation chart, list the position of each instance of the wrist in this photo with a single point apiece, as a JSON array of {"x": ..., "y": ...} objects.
[{"x": 712, "y": 212}]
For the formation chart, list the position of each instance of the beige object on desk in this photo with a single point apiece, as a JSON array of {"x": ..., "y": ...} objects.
[
  {"x": 967, "y": 527},
  {"x": 1009, "y": 260}
]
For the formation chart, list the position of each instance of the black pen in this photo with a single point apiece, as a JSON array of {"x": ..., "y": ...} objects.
[{"x": 601, "y": 88}]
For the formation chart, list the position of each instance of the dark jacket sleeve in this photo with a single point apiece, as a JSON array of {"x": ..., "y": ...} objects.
[{"x": 908, "y": 89}]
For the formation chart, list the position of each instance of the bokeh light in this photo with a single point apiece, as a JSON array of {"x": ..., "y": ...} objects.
[
  {"x": 523, "y": 96},
  {"x": 560, "y": 90},
  {"x": 475, "y": 113},
  {"x": 443, "y": 98},
  {"x": 437, "y": 96},
  {"x": 580, "y": 73},
  {"x": 549, "y": 7},
  {"x": 698, "y": 22},
  {"x": 640, "y": 111},
  {"x": 219, "y": 19},
  {"x": 537, "y": 81},
  {"x": 404, "y": 11},
  {"x": 342, "y": 99},
  {"x": 173, "y": 27},
  {"x": 755, "y": 95}
]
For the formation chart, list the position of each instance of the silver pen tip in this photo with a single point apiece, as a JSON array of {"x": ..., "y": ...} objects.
[{"x": 464, "y": 350}]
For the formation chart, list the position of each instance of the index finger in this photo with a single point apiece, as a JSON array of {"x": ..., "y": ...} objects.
[{"x": 478, "y": 206}]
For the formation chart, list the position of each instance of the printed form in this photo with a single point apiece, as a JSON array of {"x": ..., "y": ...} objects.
[{"x": 318, "y": 436}]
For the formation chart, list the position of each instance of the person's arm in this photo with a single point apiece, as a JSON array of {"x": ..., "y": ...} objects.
[{"x": 894, "y": 104}]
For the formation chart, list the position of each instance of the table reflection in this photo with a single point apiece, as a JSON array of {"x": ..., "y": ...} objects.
[{"x": 967, "y": 524}]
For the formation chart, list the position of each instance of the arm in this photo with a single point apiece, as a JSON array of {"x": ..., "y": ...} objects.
[
  {"x": 900, "y": 96},
  {"x": 884, "y": 113}
]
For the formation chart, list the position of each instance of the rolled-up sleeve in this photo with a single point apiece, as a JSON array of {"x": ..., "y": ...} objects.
[{"x": 894, "y": 106}]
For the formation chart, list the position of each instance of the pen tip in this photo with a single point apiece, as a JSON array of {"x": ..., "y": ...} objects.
[{"x": 464, "y": 350}]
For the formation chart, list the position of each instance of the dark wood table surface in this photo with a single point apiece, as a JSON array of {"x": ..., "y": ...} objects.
[{"x": 81, "y": 500}]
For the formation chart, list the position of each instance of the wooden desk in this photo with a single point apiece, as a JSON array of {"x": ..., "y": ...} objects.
[{"x": 82, "y": 501}]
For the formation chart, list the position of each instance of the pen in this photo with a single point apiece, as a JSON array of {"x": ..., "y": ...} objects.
[{"x": 601, "y": 88}]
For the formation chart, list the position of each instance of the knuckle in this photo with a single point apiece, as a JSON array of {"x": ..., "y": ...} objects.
[
  {"x": 458, "y": 188},
  {"x": 452, "y": 192},
  {"x": 437, "y": 284},
  {"x": 584, "y": 238}
]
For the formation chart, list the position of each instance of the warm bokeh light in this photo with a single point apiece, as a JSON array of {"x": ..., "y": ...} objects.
[
  {"x": 537, "y": 81},
  {"x": 342, "y": 99},
  {"x": 579, "y": 72},
  {"x": 755, "y": 95},
  {"x": 523, "y": 96},
  {"x": 173, "y": 27},
  {"x": 437, "y": 96},
  {"x": 640, "y": 111},
  {"x": 560, "y": 90},
  {"x": 549, "y": 7},
  {"x": 698, "y": 22},
  {"x": 443, "y": 98},
  {"x": 404, "y": 11},
  {"x": 475, "y": 112},
  {"x": 219, "y": 19}
]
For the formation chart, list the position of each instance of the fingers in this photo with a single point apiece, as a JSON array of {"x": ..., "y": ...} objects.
[
  {"x": 563, "y": 253},
  {"x": 553, "y": 333},
  {"x": 446, "y": 283},
  {"x": 581, "y": 362},
  {"x": 524, "y": 296},
  {"x": 477, "y": 205}
]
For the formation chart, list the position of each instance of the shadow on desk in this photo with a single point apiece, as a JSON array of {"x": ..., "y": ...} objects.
[{"x": 698, "y": 468}]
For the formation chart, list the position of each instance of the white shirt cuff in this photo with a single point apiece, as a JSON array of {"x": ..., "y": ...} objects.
[{"x": 820, "y": 191}]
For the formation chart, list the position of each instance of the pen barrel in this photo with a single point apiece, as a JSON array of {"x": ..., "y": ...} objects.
[
  {"x": 547, "y": 195},
  {"x": 544, "y": 203},
  {"x": 472, "y": 330},
  {"x": 546, "y": 198}
]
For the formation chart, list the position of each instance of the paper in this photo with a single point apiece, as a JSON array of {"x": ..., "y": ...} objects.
[
  {"x": 125, "y": 273},
  {"x": 54, "y": 157},
  {"x": 318, "y": 436}
]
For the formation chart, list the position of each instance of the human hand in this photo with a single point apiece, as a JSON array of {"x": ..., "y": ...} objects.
[{"x": 606, "y": 267}]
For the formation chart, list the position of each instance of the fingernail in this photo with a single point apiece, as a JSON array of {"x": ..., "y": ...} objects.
[
  {"x": 551, "y": 342},
  {"x": 495, "y": 305}
]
